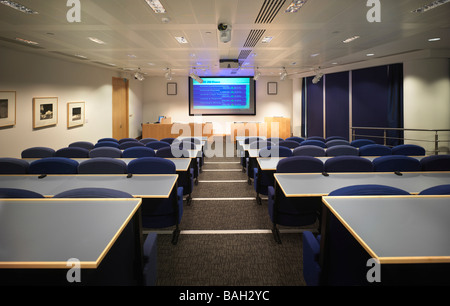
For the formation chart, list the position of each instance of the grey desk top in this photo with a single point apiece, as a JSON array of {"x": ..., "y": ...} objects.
[
  {"x": 400, "y": 229},
  {"x": 315, "y": 184},
  {"x": 139, "y": 185},
  {"x": 46, "y": 233}
]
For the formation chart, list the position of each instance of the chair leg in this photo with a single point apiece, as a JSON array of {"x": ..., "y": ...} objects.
[
  {"x": 258, "y": 199},
  {"x": 175, "y": 235},
  {"x": 188, "y": 200},
  {"x": 276, "y": 234}
]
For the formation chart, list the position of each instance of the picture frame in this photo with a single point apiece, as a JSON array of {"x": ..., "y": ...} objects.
[
  {"x": 7, "y": 108},
  {"x": 45, "y": 112},
  {"x": 171, "y": 89},
  {"x": 272, "y": 88},
  {"x": 75, "y": 114}
]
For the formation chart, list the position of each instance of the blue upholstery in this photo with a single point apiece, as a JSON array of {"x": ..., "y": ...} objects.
[
  {"x": 320, "y": 138},
  {"x": 437, "y": 190},
  {"x": 155, "y": 145},
  {"x": 259, "y": 144},
  {"x": 108, "y": 139},
  {"x": 14, "y": 193},
  {"x": 296, "y": 138},
  {"x": 147, "y": 140},
  {"x": 169, "y": 140},
  {"x": 151, "y": 165},
  {"x": 300, "y": 164},
  {"x": 93, "y": 193},
  {"x": 409, "y": 150},
  {"x": 54, "y": 165},
  {"x": 374, "y": 150},
  {"x": 361, "y": 142},
  {"x": 348, "y": 164},
  {"x": 311, "y": 252},
  {"x": 340, "y": 150},
  {"x": 172, "y": 152},
  {"x": 368, "y": 189},
  {"x": 10, "y": 165},
  {"x": 130, "y": 144},
  {"x": 136, "y": 152},
  {"x": 275, "y": 151},
  {"x": 111, "y": 144},
  {"x": 190, "y": 139},
  {"x": 309, "y": 150},
  {"x": 291, "y": 144},
  {"x": 250, "y": 139},
  {"x": 105, "y": 152},
  {"x": 102, "y": 165},
  {"x": 38, "y": 152},
  {"x": 127, "y": 140},
  {"x": 436, "y": 163},
  {"x": 82, "y": 144},
  {"x": 185, "y": 144},
  {"x": 72, "y": 152},
  {"x": 390, "y": 163},
  {"x": 150, "y": 251},
  {"x": 334, "y": 138},
  {"x": 313, "y": 142},
  {"x": 275, "y": 140},
  {"x": 337, "y": 142}
]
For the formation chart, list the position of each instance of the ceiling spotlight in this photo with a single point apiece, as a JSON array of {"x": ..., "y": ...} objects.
[
  {"x": 317, "y": 78},
  {"x": 17, "y": 6},
  {"x": 295, "y": 6},
  {"x": 156, "y": 6},
  {"x": 138, "y": 75},
  {"x": 257, "y": 75},
  {"x": 283, "y": 75},
  {"x": 430, "y": 6},
  {"x": 196, "y": 77},
  {"x": 168, "y": 74}
]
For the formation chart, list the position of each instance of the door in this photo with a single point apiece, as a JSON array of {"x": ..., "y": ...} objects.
[{"x": 120, "y": 108}]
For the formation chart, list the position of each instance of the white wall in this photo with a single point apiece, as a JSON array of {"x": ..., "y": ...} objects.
[{"x": 33, "y": 75}]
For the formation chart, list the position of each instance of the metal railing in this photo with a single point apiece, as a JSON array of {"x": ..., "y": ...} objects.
[{"x": 437, "y": 140}]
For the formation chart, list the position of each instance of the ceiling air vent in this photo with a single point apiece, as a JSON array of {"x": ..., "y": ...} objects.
[
  {"x": 253, "y": 38},
  {"x": 269, "y": 11}
]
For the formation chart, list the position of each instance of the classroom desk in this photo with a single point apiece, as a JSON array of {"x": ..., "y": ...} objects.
[
  {"x": 39, "y": 236},
  {"x": 407, "y": 235}
]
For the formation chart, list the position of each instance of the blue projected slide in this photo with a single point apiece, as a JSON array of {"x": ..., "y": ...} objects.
[{"x": 222, "y": 96}]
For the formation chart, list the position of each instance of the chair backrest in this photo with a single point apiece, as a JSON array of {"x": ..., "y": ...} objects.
[
  {"x": 250, "y": 139},
  {"x": 341, "y": 150},
  {"x": 336, "y": 142},
  {"x": 275, "y": 140},
  {"x": 361, "y": 142},
  {"x": 436, "y": 190},
  {"x": 108, "y": 139},
  {"x": 72, "y": 152},
  {"x": 374, "y": 150},
  {"x": 291, "y": 144},
  {"x": 259, "y": 144},
  {"x": 436, "y": 163},
  {"x": 93, "y": 193},
  {"x": 348, "y": 164},
  {"x": 296, "y": 138},
  {"x": 127, "y": 140},
  {"x": 102, "y": 165},
  {"x": 15, "y": 193},
  {"x": 54, "y": 165},
  {"x": 313, "y": 142},
  {"x": 300, "y": 164},
  {"x": 112, "y": 144},
  {"x": 172, "y": 152},
  {"x": 155, "y": 145},
  {"x": 10, "y": 165},
  {"x": 169, "y": 140},
  {"x": 409, "y": 150},
  {"x": 151, "y": 165},
  {"x": 320, "y": 138},
  {"x": 38, "y": 152},
  {"x": 185, "y": 144},
  {"x": 309, "y": 150},
  {"x": 329, "y": 138},
  {"x": 275, "y": 151},
  {"x": 369, "y": 189},
  {"x": 130, "y": 144},
  {"x": 147, "y": 140},
  {"x": 391, "y": 163},
  {"x": 82, "y": 144},
  {"x": 190, "y": 139},
  {"x": 136, "y": 152},
  {"x": 105, "y": 152}
]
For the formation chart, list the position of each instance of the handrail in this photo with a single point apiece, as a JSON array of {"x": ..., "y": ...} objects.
[{"x": 436, "y": 140}]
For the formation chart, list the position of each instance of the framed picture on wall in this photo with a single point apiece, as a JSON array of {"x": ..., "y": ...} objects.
[
  {"x": 272, "y": 88},
  {"x": 45, "y": 112},
  {"x": 171, "y": 89},
  {"x": 7, "y": 108},
  {"x": 75, "y": 114}
]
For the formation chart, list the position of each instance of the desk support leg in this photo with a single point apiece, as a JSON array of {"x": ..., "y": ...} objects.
[
  {"x": 276, "y": 234},
  {"x": 175, "y": 235}
]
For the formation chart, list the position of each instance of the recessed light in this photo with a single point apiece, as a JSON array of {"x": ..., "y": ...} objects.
[
  {"x": 430, "y": 6},
  {"x": 350, "y": 39},
  {"x": 181, "y": 39},
  {"x": 315, "y": 54},
  {"x": 96, "y": 40},
  {"x": 30, "y": 42},
  {"x": 151, "y": 64},
  {"x": 267, "y": 39},
  {"x": 81, "y": 56},
  {"x": 295, "y": 6},
  {"x": 18, "y": 7},
  {"x": 156, "y": 6},
  {"x": 434, "y": 39},
  {"x": 131, "y": 56},
  {"x": 370, "y": 54},
  {"x": 335, "y": 63}
]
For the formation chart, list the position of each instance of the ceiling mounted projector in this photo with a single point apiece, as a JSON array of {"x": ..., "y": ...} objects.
[
  {"x": 317, "y": 78},
  {"x": 229, "y": 64},
  {"x": 224, "y": 32},
  {"x": 196, "y": 77}
]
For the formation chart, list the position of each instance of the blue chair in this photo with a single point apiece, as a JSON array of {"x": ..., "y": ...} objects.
[
  {"x": 437, "y": 190},
  {"x": 105, "y": 152},
  {"x": 336, "y": 142},
  {"x": 54, "y": 165},
  {"x": 72, "y": 152},
  {"x": 396, "y": 163},
  {"x": 367, "y": 190},
  {"x": 172, "y": 152},
  {"x": 320, "y": 138},
  {"x": 309, "y": 150},
  {"x": 9, "y": 165},
  {"x": 159, "y": 213},
  {"x": 169, "y": 140},
  {"x": 341, "y": 150},
  {"x": 311, "y": 253},
  {"x": 136, "y": 152},
  {"x": 275, "y": 151},
  {"x": 296, "y": 138},
  {"x": 185, "y": 144},
  {"x": 329, "y": 138},
  {"x": 15, "y": 193},
  {"x": 108, "y": 139},
  {"x": 313, "y": 142},
  {"x": 111, "y": 144},
  {"x": 408, "y": 150},
  {"x": 250, "y": 139},
  {"x": 130, "y": 144},
  {"x": 93, "y": 192},
  {"x": 436, "y": 163},
  {"x": 294, "y": 211},
  {"x": 147, "y": 140},
  {"x": 291, "y": 144},
  {"x": 361, "y": 142},
  {"x": 375, "y": 150},
  {"x": 38, "y": 152},
  {"x": 82, "y": 144},
  {"x": 127, "y": 139},
  {"x": 102, "y": 165},
  {"x": 348, "y": 164},
  {"x": 150, "y": 250},
  {"x": 275, "y": 140},
  {"x": 155, "y": 145}
]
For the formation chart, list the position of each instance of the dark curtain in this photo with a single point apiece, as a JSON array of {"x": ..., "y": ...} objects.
[
  {"x": 303, "y": 128},
  {"x": 395, "y": 103}
]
